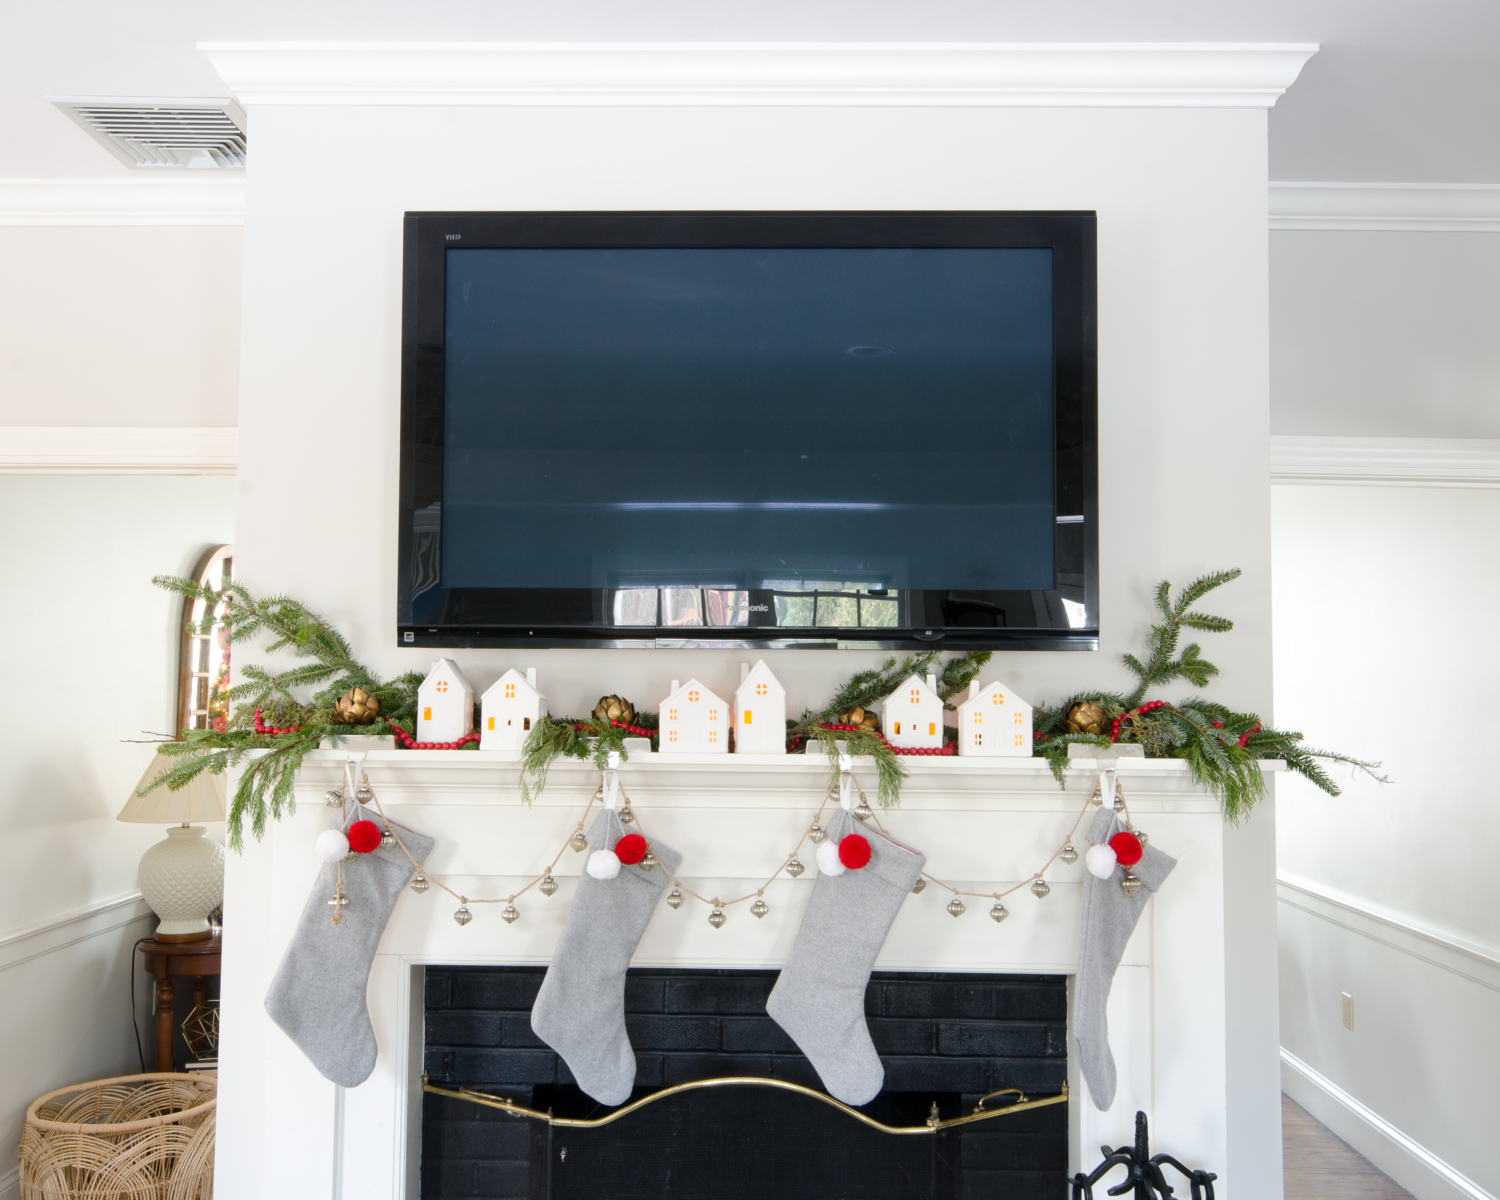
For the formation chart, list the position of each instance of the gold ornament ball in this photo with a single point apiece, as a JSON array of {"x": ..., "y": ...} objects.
[
  {"x": 548, "y": 886},
  {"x": 509, "y": 914},
  {"x": 1085, "y": 717},
  {"x": 1069, "y": 855},
  {"x": 717, "y": 918},
  {"x": 956, "y": 907},
  {"x": 999, "y": 913},
  {"x": 760, "y": 908},
  {"x": 674, "y": 898},
  {"x": 1040, "y": 889},
  {"x": 795, "y": 868},
  {"x": 1130, "y": 885},
  {"x": 463, "y": 916},
  {"x": 615, "y": 708},
  {"x": 356, "y": 707},
  {"x": 419, "y": 884}
]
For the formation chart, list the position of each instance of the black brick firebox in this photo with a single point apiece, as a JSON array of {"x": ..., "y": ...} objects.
[{"x": 944, "y": 1039}]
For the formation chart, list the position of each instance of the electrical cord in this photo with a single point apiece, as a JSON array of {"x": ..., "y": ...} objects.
[{"x": 134, "y": 1022}]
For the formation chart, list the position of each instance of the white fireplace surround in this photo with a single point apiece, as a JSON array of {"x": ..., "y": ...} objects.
[{"x": 983, "y": 825}]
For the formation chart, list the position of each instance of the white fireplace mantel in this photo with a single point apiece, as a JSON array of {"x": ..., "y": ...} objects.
[{"x": 983, "y": 824}]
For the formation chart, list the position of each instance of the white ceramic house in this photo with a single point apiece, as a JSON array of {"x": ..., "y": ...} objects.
[
  {"x": 693, "y": 720},
  {"x": 445, "y": 704},
  {"x": 994, "y": 722},
  {"x": 912, "y": 715},
  {"x": 509, "y": 709},
  {"x": 759, "y": 711}
]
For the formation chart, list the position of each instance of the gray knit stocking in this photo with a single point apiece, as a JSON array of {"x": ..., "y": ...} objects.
[
  {"x": 1109, "y": 918},
  {"x": 580, "y": 1011}
]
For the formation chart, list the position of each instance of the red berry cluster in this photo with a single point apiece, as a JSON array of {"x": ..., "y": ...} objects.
[
  {"x": 262, "y": 727},
  {"x": 1141, "y": 710},
  {"x": 411, "y": 743},
  {"x": 1244, "y": 737}
]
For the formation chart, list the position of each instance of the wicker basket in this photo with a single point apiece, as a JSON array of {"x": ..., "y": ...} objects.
[{"x": 138, "y": 1137}]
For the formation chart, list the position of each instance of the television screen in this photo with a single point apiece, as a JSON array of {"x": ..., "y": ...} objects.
[{"x": 770, "y": 429}]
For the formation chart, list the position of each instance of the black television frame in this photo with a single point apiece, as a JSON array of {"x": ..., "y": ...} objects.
[{"x": 515, "y": 617}]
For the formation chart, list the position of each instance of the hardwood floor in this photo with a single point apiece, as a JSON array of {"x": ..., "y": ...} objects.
[{"x": 1319, "y": 1166}]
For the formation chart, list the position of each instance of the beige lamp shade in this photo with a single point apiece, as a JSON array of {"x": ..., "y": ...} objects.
[{"x": 201, "y": 800}]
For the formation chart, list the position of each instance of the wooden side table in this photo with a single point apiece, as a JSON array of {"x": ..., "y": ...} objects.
[{"x": 175, "y": 960}]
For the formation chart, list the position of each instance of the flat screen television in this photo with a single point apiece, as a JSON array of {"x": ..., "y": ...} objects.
[{"x": 749, "y": 429}]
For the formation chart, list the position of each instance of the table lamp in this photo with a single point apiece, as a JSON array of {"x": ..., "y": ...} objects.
[{"x": 182, "y": 877}]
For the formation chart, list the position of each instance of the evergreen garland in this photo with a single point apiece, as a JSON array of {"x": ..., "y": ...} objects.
[
  {"x": 265, "y": 787},
  {"x": 1222, "y": 747}
]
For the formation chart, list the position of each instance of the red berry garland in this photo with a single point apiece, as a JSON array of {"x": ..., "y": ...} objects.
[
  {"x": 262, "y": 727},
  {"x": 1139, "y": 711},
  {"x": 947, "y": 749},
  {"x": 854, "y": 851},
  {"x": 1127, "y": 848},
  {"x": 630, "y": 849},
  {"x": 411, "y": 744},
  {"x": 363, "y": 836}
]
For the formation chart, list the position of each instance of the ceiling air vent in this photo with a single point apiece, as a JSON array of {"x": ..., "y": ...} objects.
[{"x": 162, "y": 133}]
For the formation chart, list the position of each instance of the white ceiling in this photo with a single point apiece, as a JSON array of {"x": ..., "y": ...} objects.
[{"x": 1402, "y": 91}]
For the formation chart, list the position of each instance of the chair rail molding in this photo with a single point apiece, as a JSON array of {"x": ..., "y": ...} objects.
[
  {"x": 1387, "y": 462},
  {"x": 901, "y": 74},
  {"x": 117, "y": 450},
  {"x": 1387, "y": 207},
  {"x": 187, "y": 199},
  {"x": 68, "y": 929}
]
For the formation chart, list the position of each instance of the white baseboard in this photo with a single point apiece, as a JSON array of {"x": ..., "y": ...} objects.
[{"x": 1408, "y": 1162}]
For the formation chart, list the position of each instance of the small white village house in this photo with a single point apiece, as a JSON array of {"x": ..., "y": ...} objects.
[
  {"x": 759, "y": 711},
  {"x": 911, "y": 717},
  {"x": 509, "y": 710},
  {"x": 445, "y": 704},
  {"x": 994, "y": 722},
  {"x": 693, "y": 720}
]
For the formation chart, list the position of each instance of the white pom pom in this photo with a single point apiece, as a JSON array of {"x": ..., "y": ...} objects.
[
  {"x": 1101, "y": 861},
  {"x": 331, "y": 845},
  {"x": 828, "y": 858},
  {"x": 603, "y": 864}
]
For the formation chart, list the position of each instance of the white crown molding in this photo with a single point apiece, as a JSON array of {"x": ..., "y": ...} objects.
[
  {"x": 1387, "y": 207},
  {"x": 1387, "y": 462},
  {"x": 917, "y": 74},
  {"x": 95, "y": 450},
  {"x": 187, "y": 199},
  {"x": 1397, "y": 1154}
]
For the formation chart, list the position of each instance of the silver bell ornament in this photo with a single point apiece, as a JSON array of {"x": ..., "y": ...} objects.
[
  {"x": 760, "y": 908},
  {"x": 364, "y": 793},
  {"x": 650, "y": 862},
  {"x": 1069, "y": 855},
  {"x": 919, "y": 887},
  {"x": 339, "y": 900},
  {"x": 463, "y": 916},
  {"x": 999, "y": 912},
  {"x": 795, "y": 868},
  {"x": 863, "y": 811},
  {"x": 419, "y": 883},
  {"x": 1119, "y": 803},
  {"x": 674, "y": 898},
  {"x": 717, "y": 918},
  {"x": 509, "y": 913},
  {"x": 388, "y": 838},
  {"x": 627, "y": 814},
  {"x": 1140, "y": 835},
  {"x": 1130, "y": 885},
  {"x": 333, "y": 797},
  {"x": 1040, "y": 888},
  {"x": 548, "y": 886},
  {"x": 956, "y": 907},
  {"x": 817, "y": 835},
  {"x": 578, "y": 842}
]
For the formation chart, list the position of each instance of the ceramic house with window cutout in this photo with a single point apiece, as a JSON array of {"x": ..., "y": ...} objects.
[
  {"x": 911, "y": 717},
  {"x": 445, "y": 704},
  {"x": 994, "y": 722},
  {"x": 692, "y": 720},
  {"x": 509, "y": 710},
  {"x": 759, "y": 711}
]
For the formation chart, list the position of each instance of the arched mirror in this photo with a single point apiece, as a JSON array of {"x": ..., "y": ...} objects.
[{"x": 203, "y": 671}]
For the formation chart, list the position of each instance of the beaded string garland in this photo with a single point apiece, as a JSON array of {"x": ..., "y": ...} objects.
[{"x": 852, "y": 852}]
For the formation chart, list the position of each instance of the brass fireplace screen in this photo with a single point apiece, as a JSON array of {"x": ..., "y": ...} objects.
[{"x": 933, "y": 1124}]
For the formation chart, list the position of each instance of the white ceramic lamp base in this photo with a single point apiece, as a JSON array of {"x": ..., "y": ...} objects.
[{"x": 182, "y": 879}]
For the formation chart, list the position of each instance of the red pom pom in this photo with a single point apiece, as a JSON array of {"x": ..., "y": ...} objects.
[
  {"x": 363, "y": 836},
  {"x": 1127, "y": 848},
  {"x": 630, "y": 849},
  {"x": 854, "y": 852}
]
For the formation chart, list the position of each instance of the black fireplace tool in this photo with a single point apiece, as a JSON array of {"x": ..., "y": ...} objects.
[{"x": 1143, "y": 1179}]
